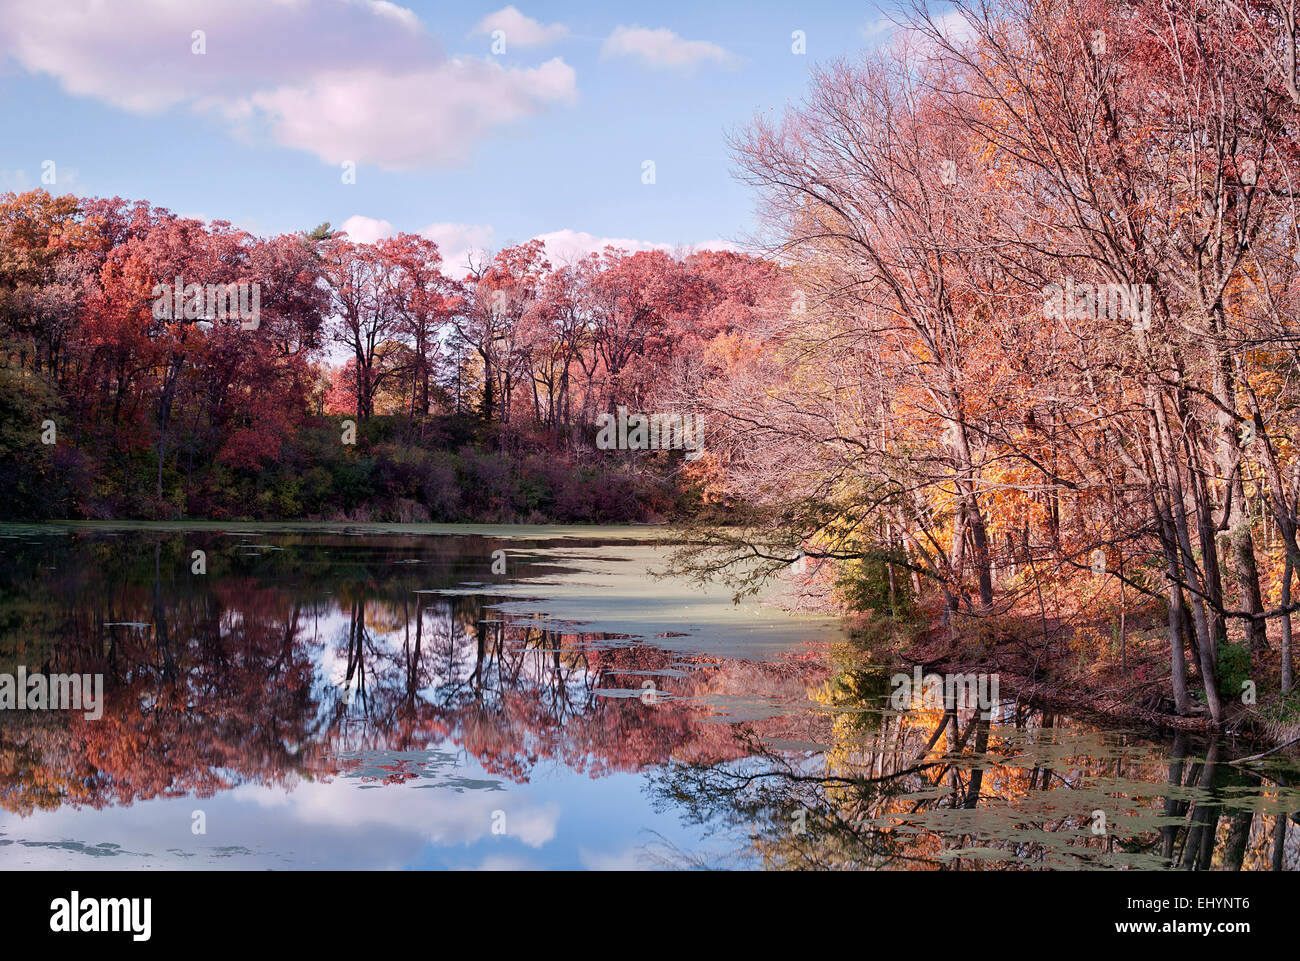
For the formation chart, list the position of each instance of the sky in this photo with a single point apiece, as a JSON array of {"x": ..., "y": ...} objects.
[{"x": 477, "y": 125}]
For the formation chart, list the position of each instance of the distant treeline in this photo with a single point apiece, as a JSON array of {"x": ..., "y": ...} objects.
[{"x": 154, "y": 366}]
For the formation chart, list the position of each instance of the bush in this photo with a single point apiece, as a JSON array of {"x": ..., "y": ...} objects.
[
  {"x": 439, "y": 487},
  {"x": 1233, "y": 668},
  {"x": 447, "y": 469},
  {"x": 864, "y": 585}
]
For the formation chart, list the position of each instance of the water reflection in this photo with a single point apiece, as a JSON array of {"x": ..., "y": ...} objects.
[{"x": 381, "y": 681}]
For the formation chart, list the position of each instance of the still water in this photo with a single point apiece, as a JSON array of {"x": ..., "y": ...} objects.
[{"x": 413, "y": 696}]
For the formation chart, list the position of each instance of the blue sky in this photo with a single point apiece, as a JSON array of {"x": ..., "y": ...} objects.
[{"x": 474, "y": 148}]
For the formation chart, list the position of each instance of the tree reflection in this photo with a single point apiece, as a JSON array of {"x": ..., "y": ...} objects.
[
  {"x": 956, "y": 790},
  {"x": 326, "y": 656}
]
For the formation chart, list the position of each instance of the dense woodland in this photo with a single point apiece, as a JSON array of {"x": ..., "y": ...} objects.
[
  {"x": 447, "y": 399},
  {"x": 933, "y": 414},
  {"x": 888, "y": 391}
]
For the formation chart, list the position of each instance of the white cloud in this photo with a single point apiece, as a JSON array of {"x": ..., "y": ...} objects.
[
  {"x": 566, "y": 246},
  {"x": 718, "y": 243},
  {"x": 521, "y": 31},
  {"x": 878, "y": 30},
  {"x": 954, "y": 26},
  {"x": 902, "y": 40},
  {"x": 662, "y": 48},
  {"x": 402, "y": 15},
  {"x": 366, "y": 230},
  {"x": 336, "y": 823},
  {"x": 138, "y": 54},
  {"x": 342, "y": 79},
  {"x": 405, "y": 121},
  {"x": 456, "y": 819},
  {"x": 456, "y": 242}
]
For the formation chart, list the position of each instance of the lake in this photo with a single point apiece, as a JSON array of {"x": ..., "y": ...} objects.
[{"x": 419, "y": 696}]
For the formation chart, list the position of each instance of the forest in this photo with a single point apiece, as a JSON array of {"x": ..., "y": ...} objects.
[
  {"x": 1012, "y": 367},
  {"x": 371, "y": 385}
]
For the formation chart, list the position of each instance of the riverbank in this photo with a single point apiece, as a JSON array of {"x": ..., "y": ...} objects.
[{"x": 1081, "y": 669}]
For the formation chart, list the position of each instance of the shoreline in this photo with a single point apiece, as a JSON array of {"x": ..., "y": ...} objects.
[{"x": 1111, "y": 707}]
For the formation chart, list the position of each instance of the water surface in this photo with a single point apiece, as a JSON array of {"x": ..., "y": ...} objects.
[{"x": 377, "y": 696}]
